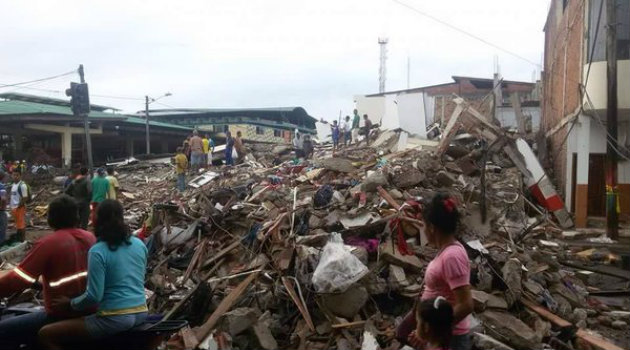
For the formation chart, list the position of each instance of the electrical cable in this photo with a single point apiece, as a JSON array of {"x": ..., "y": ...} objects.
[
  {"x": 118, "y": 97},
  {"x": 590, "y": 57},
  {"x": 37, "y": 80},
  {"x": 466, "y": 33}
]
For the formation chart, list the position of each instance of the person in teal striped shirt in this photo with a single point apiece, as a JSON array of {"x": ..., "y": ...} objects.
[{"x": 116, "y": 272}]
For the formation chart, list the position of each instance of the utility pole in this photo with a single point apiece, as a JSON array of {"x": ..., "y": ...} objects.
[
  {"x": 146, "y": 115},
  {"x": 86, "y": 127},
  {"x": 612, "y": 219}
]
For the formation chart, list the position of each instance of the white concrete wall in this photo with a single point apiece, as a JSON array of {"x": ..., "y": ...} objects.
[
  {"x": 411, "y": 114},
  {"x": 596, "y": 144},
  {"x": 374, "y": 107},
  {"x": 596, "y": 87},
  {"x": 393, "y": 111}
]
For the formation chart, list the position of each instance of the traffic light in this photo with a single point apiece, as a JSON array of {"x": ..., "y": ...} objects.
[{"x": 79, "y": 98}]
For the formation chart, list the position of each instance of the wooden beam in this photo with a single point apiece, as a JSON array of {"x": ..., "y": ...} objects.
[
  {"x": 597, "y": 342},
  {"x": 385, "y": 195},
  {"x": 564, "y": 121},
  {"x": 221, "y": 253},
  {"x": 452, "y": 126},
  {"x": 298, "y": 302},
  {"x": 226, "y": 304}
]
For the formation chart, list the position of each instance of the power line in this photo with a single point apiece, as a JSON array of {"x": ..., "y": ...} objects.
[
  {"x": 476, "y": 37},
  {"x": 37, "y": 80},
  {"x": 590, "y": 57},
  {"x": 164, "y": 104},
  {"x": 118, "y": 97}
]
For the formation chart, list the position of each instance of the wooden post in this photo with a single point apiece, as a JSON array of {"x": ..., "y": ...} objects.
[{"x": 612, "y": 219}]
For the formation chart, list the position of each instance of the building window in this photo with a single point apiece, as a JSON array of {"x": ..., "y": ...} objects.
[
  {"x": 623, "y": 30},
  {"x": 277, "y": 133},
  {"x": 260, "y": 130}
]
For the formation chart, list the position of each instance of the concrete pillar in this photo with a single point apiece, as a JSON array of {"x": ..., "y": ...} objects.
[
  {"x": 581, "y": 186},
  {"x": 66, "y": 148},
  {"x": 129, "y": 146}
]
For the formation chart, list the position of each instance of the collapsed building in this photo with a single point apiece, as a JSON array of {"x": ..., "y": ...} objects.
[{"x": 282, "y": 253}]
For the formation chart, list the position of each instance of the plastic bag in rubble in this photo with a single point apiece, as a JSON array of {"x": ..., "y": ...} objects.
[{"x": 338, "y": 269}]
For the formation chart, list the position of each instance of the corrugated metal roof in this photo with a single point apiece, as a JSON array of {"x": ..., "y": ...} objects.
[
  {"x": 10, "y": 108},
  {"x": 18, "y": 96}
]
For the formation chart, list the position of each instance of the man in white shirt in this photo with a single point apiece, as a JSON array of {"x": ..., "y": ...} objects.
[{"x": 346, "y": 128}]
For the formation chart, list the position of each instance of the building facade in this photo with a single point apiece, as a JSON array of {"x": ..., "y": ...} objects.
[
  {"x": 274, "y": 125},
  {"x": 44, "y": 130},
  {"x": 574, "y": 104},
  {"x": 414, "y": 109}
]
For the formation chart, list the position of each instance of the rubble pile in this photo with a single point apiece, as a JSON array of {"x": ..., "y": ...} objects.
[
  {"x": 281, "y": 253},
  {"x": 310, "y": 255}
]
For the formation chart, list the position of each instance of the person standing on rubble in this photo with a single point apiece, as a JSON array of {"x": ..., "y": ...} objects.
[
  {"x": 181, "y": 164},
  {"x": 356, "y": 121},
  {"x": 117, "y": 266},
  {"x": 196, "y": 152},
  {"x": 307, "y": 147},
  {"x": 3, "y": 207},
  {"x": 210, "y": 150},
  {"x": 100, "y": 188},
  {"x": 334, "y": 128},
  {"x": 448, "y": 274},
  {"x": 61, "y": 260},
  {"x": 81, "y": 190},
  {"x": 347, "y": 134},
  {"x": 114, "y": 186},
  {"x": 239, "y": 147},
  {"x": 20, "y": 195},
  {"x": 229, "y": 147},
  {"x": 367, "y": 128}
]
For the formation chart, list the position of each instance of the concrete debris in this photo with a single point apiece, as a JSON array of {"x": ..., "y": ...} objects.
[
  {"x": 249, "y": 239},
  {"x": 444, "y": 179},
  {"x": 510, "y": 329},
  {"x": 346, "y": 304},
  {"x": 486, "y": 342}
]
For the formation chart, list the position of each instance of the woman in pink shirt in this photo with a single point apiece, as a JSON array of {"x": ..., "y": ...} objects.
[{"x": 448, "y": 274}]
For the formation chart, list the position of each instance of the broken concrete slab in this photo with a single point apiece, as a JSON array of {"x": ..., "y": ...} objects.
[
  {"x": 407, "y": 177},
  {"x": 390, "y": 253},
  {"x": 513, "y": 330},
  {"x": 444, "y": 179},
  {"x": 485, "y": 301},
  {"x": 341, "y": 165},
  {"x": 486, "y": 342},
  {"x": 512, "y": 274},
  {"x": 374, "y": 180},
  {"x": 346, "y": 304},
  {"x": 239, "y": 320},
  {"x": 263, "y": 333},
  {"x": 397, "y": 276}
]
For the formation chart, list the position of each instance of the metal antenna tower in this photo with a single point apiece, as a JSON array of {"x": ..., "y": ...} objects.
[{"x": 382, "y": 73}]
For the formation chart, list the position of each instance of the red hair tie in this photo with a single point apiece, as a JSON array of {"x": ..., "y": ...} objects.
[{"x": 449, "y": 204}]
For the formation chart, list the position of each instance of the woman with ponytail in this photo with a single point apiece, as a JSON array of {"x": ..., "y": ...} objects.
[{"x": 447, "y": 276}]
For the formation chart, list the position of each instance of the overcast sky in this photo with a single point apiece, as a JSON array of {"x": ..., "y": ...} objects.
[{"x": 261, "y": 53}]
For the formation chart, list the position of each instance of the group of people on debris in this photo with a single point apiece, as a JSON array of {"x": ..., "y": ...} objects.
[
  {"x": 348, "y": 132},
  {"x": 87, "y": 192},
  {"x": 196, "y": 153},
  {"x": 92, "y": 282}
]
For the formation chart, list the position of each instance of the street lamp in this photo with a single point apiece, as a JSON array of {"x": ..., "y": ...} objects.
[{"x": 148, "y": 100}]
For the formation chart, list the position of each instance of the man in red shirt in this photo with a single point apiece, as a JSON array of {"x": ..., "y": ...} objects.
[{"x": 60, "y": 259}]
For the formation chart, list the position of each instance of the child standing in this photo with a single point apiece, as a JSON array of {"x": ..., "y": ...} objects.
[{"x": 434, "y": 319}]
